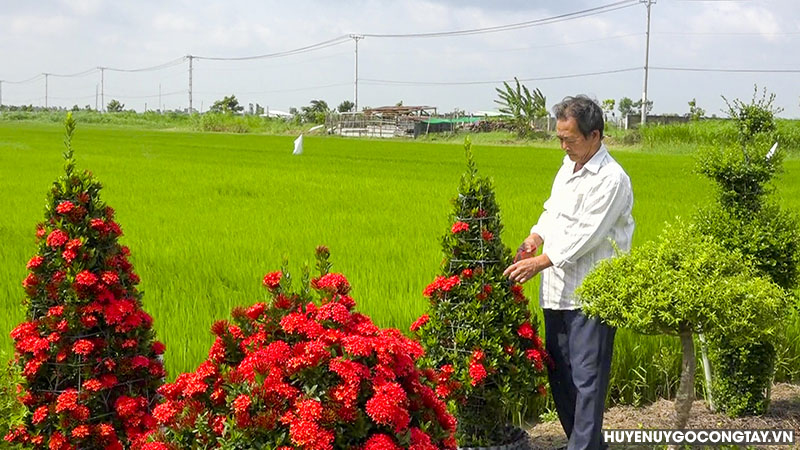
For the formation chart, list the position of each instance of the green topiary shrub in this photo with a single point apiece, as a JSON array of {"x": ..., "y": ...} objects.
[{"x": 681, "y": 284}]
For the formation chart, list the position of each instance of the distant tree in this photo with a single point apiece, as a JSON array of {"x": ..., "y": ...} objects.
[
  {"x": 637, "y": 107},
  {"x": 695, "y": 112},
  {"x": 87, "y": 107},
  {"x": 608, "y": 107},
  {"x": 115, "y": 106},
  {"x": 259, "y": 109},
  {"x": 251, "y": 109},
  {"x": 228, "y": 105},
  {"x": 316, "y": 111},
  {"x": 75, "y": 108},
  {"x": 400, "y": 103},
  {"x": 293, "y": 111},
  {"x": 521, "y": 104},
  {"x": 346, "y": 106},
  {"x": 627, "y": 106}
]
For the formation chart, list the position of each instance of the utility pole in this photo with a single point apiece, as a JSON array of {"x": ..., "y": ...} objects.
[
  {"x": 648, "y": 3},
  {"x": 96, "y": 93},
  {"x": 356, "y": 38},
  {"x": 190, "y": 82},
  {"x": 1, "y": 92},
  {"x": 160, "y": 109},
  {"x": 102, "y": 88},
  {"x": 46, "y": 75}
]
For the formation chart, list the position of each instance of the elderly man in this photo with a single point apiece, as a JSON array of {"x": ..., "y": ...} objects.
[{"x": 588, "y": 210}]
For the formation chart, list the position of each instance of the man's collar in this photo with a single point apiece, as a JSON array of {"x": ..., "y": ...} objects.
[{"x": 594, "y": 164}]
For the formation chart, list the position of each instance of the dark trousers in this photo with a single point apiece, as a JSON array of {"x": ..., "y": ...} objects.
[{"x": 581, "y": 349}]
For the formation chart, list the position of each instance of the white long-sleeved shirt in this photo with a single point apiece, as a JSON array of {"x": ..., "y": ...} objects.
[{"x": 586, "y": 211}]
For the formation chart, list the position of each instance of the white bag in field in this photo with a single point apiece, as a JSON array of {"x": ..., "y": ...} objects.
[
  {"x": 298, "y": 146},
  {"x": 771, "y": 151}
]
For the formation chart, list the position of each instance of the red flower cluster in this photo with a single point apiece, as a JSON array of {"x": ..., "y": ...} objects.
[
  {"x": 441, "y": 284},
  {"x": 257, "y": 381},
  {"x": 458, "y": 227},
  {"x": 272, "y": 280},
  {"x": 423, "y": 319},
  {"x": 90, "y": 366}
]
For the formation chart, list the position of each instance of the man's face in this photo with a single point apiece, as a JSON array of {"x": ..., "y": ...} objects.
[{"x": 580, "y": 149}]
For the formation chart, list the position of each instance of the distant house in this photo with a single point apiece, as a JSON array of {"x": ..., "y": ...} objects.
[{"x": 276, "y": 113}]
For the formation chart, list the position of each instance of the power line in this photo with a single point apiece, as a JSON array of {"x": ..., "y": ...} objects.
[
  {"x": 514, "y": 26},
  {"x": 73, "y": 75},
  {"x": 733, "y": 33},
  {"x": 173, "y": 62},
  {"x": 320, "y": 45},
  {"x": 28, "y": 80},
  {"x": 704, "y": 69},
  {"x": 463, "y": 83}
]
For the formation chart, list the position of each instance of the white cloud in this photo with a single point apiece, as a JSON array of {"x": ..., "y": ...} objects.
[
  {"x": 736, "y": 18},
  {"x": 83, "y": 7},
  {"x": 40, "y": 25},
  {"x": 167, "y": 21}
]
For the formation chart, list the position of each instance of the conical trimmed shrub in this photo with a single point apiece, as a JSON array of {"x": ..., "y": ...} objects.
[
  {"x": 479, "y": 333},
  {"x": 86, "y": 350}
]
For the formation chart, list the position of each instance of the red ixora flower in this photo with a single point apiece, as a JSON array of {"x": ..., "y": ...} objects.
[
  {"x": 35, "y": 262},
  {"x": 57, "y": 238},
  {"x": 477, "y": 373},
  {"x": 86, "y": 278},
  {"x": 423, "y": 319},
  {"x": 334, "y": 282},
  {"x": 525, "y": 330},
  {"x": 65, "y": 207},
  {"x": 459, "y": 227},
  {"x": 83, "y": 347},
  {"x": 445, "y": 284},
  {"x": 273, "y": 279},
  {"x": 487, "y": 235}
]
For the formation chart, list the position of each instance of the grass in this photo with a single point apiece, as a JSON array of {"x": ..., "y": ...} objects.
[
  {"x": 167, "y": 121},
  {"x": 206, "y": 215}
]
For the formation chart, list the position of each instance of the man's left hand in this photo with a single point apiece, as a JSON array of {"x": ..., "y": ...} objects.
[{"x": 525, "y": 269}]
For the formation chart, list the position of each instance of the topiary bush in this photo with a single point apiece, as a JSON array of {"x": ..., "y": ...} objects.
[
  {"x": 299, "y": 374},
  {"x": 479, "y": 333},
  {"x": 681, "y": 284},
  {"x": 86, "y": 350},
  {"x": 746, "y": 218}
]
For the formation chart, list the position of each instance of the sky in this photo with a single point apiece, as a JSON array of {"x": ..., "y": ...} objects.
[{"x": 601, "y": 54}]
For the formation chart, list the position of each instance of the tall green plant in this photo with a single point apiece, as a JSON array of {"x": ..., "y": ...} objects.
[
  {"x": 522, "y": 104},
  {"x": 479, "y": 333},
  {"x": 745, "y": 217}
]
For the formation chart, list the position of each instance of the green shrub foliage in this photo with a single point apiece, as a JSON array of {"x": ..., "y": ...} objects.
[
  {"x": 683, "y": 282},
  {"x": 479, "y": 333}
]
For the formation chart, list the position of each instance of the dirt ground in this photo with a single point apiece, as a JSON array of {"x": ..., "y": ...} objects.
[{"x": 783, "y": 413}]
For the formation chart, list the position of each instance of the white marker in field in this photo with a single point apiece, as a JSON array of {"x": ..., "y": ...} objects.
[
  {"x": 298, "y": 145},
  {"x": 771, "y": 151}
]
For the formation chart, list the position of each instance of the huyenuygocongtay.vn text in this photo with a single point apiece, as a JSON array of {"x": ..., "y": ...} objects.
[{"x": 704, "y": 437}]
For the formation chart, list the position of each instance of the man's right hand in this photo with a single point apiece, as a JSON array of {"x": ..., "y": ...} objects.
[{"x": 529, "y": 247}]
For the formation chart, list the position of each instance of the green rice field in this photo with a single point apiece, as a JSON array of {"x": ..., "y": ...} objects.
[{"x": 207, "y": 215}]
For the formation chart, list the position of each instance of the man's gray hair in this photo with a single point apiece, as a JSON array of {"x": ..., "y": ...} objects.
[{"x": 584, "y": 110}]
